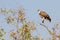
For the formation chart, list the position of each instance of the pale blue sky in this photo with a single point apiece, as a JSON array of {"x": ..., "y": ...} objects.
[{"x": 52, "y": 7}]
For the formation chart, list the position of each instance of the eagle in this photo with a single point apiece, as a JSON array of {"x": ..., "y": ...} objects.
[{"x": 44, "y": 15}]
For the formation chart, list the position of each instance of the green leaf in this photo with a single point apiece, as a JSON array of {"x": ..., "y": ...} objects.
[
  {"x": 2, "y": 38},
  {"x": 1, "y": 34},
  {"x": 2, "y": 29}
]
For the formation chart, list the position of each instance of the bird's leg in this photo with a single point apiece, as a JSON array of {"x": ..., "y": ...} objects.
[{"x": 43, "y": 20}]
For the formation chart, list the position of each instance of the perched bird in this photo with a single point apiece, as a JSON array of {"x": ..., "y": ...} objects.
[{"x": 44, "y": 15}]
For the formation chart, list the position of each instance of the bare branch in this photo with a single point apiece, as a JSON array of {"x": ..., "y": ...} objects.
[{"x": 46, "y": 28}]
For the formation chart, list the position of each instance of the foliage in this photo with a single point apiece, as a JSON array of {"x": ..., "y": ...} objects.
[
  {"x": 16, "y": 16},
  {"x": 2, "y": 33}
]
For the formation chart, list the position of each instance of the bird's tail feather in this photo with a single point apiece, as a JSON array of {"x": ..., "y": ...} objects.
[{"x": 49, "y": 19}]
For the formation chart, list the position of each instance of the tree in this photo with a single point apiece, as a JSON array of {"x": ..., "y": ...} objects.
[
  {"x": 54, "y": 35},
  {"x": 24, "y": 27},
  {"x": 15, "y": 17}
]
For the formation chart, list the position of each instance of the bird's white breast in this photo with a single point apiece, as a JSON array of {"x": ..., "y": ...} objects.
[{"x": 39, "y": 12}]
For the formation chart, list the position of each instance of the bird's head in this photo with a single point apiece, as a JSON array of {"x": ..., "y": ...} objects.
[{"x": 39, "y": 11}]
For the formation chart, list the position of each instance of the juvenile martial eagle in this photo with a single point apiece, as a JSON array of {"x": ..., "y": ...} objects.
[{"x": 44, "y": 15}]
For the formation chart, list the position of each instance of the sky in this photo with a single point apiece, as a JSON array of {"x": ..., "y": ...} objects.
[{"x": 52, "y": 8}]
